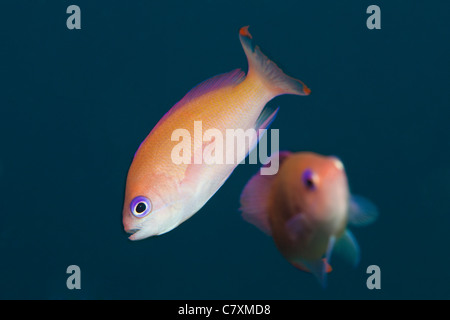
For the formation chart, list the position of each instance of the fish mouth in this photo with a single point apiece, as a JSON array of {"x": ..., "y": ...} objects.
[
  {"x": 136, "y": 234},
  {"x": 132, "y": 231}
]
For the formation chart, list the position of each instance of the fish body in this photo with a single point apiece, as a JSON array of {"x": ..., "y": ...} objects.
[
  {"x": 160, "y": 194},
  {"x": 306, "y": 208}
]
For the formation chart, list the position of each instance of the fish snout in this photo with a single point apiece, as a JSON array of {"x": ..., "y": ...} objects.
[
  {"x": 137, "y": 230},
  {"x": 130, "y": 226},
  {"x": 133, "y": 230}
]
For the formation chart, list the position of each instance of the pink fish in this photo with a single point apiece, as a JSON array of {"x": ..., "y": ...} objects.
[{"x": 306, "y": 207}]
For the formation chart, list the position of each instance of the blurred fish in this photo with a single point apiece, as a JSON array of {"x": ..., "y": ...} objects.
[
  {"x": 160, "y": 194},
  {"x": 305, "y": 207}
]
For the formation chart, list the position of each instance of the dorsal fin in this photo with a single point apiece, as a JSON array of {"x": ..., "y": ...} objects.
[
  {"x": 362, "y": 211},
  {"x": 223, "y": 80},
  {"x": 231, "y": 78}
]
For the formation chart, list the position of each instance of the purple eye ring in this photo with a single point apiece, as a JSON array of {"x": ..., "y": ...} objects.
[
  {"x": 309, "y": 179},
  {"x": 140, "y": 206}
]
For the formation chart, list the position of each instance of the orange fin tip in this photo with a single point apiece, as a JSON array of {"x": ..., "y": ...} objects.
[{"x": 244, "y": 32}]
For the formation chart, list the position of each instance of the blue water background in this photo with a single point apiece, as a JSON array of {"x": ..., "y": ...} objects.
[{"x": 76, "y": 104}]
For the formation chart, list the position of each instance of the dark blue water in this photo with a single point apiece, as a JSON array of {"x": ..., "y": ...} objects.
[{"x": 75, "y": 105}]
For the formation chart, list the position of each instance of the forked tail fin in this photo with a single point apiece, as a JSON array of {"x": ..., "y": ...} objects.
[{"x": 266, "y": 70}]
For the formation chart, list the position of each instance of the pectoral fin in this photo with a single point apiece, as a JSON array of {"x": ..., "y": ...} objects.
[{"x": 362, "y": 211}]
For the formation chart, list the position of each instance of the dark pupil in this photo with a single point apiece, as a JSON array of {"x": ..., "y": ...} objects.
[
  {"x": 309, "y": 183},
  {"x": 141, "y": 207}
]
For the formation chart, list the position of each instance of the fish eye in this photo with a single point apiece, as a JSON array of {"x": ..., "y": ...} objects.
[
  {"x": 309, "y": 179},
  {"x": 140, "y": 206}
]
